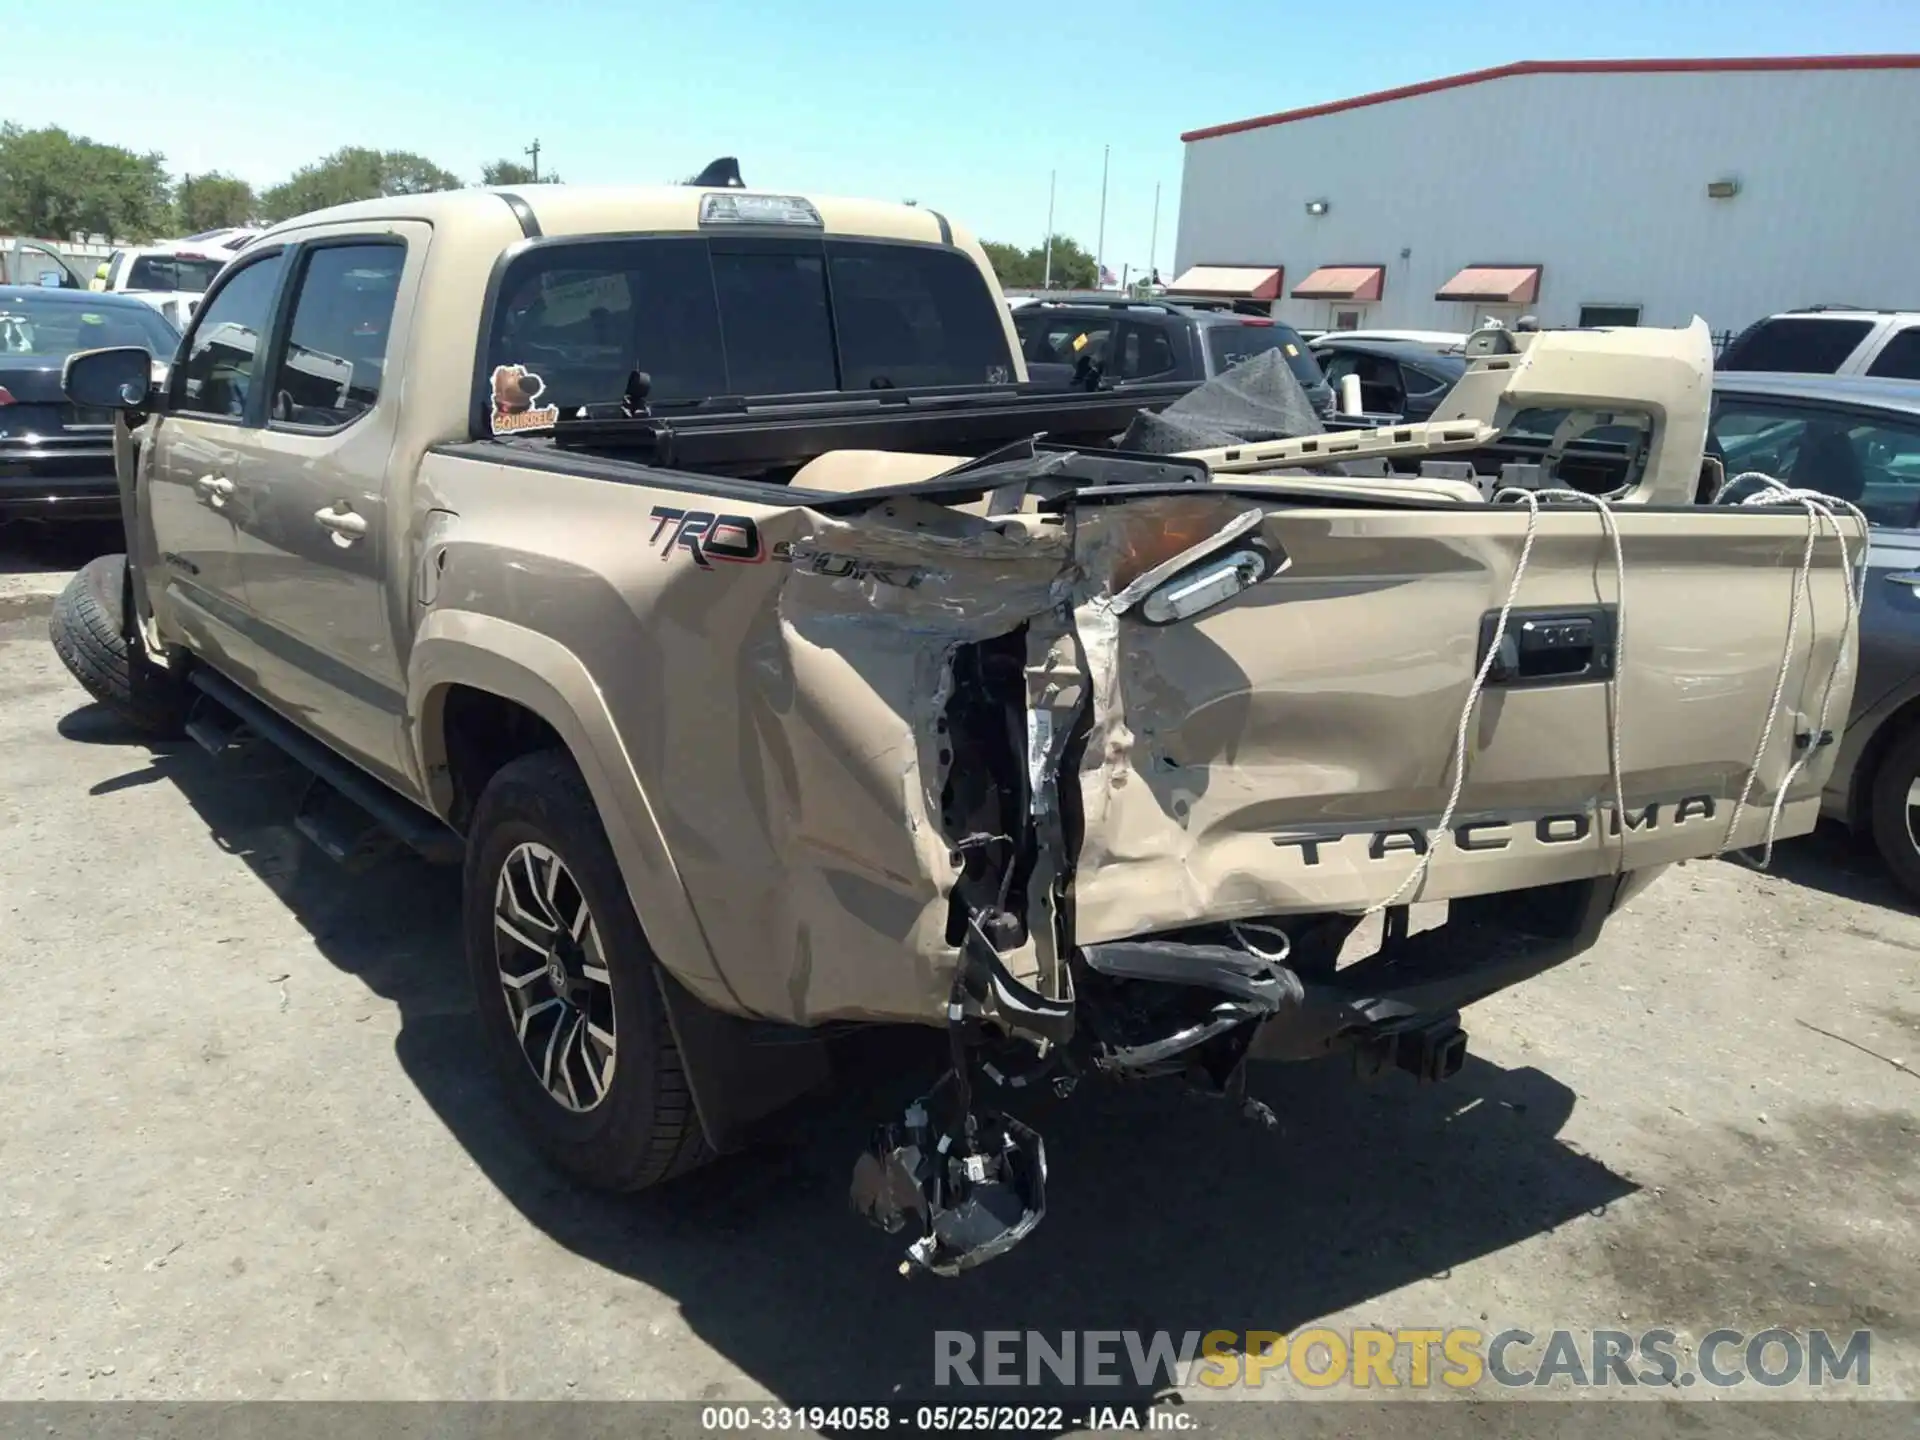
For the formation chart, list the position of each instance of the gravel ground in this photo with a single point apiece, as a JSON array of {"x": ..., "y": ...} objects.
[{"x": 251, "y": 1151}]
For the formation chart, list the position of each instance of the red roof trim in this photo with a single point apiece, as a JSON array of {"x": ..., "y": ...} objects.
[{"x": 1568, "y": 67}]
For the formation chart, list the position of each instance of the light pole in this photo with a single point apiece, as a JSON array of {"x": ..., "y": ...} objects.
[
  {"x": 1100, "y": 241},
  {"x": 1046, "y": 280},
  {"x": 1153, "y": 240}
]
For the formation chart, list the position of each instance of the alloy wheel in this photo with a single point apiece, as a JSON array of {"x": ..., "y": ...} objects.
[{"x": 554, "y": 976}]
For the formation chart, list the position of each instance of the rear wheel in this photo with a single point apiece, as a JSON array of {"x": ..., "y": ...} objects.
[
  {"x": 566, "y": 987},
  {"x": 1894, "y": 810},
  {"x": 90, "y": 629}
]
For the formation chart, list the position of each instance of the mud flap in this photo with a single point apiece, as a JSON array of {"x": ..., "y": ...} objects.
[{"x": 126, "y": 460}]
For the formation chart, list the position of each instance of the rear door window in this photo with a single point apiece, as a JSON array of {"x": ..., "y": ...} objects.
[
  {"x": 1051, "y": 338},
  {"x": 329, "y": 371},
  {"x": 1145, "y": 352},
  {"x": 1805, "y": 344},
  {"x": 1899, "y": 358}
]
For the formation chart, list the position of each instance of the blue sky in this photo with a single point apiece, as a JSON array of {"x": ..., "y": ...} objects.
[{"x": 965, "y": 107}]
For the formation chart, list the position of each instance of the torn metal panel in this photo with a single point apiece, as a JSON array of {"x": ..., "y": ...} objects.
[{"x": 865, "y": 670}]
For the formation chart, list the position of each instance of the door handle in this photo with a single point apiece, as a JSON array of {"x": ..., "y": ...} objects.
[
  {"x": 347, "y": 525},
  {"x": 214, "y": 489}
]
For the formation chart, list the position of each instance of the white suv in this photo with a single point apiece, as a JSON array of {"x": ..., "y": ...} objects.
[{"x": 1831, "y": 340}]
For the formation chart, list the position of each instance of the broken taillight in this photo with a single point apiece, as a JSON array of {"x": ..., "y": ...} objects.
[
  {"x": 1204, "y": 586},
  {"x": 1153, "y": 537}
]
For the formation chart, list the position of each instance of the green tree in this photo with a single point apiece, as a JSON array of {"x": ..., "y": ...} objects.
[
  {"x": 1072, "y": 267},
  {"x": 354, "y": 173},
  {"x": 60, "y": 186},
  {"x": 1010, "y": 265},
  {"x": 212, "y": 202},
  {"x": 512, "y": 172}
]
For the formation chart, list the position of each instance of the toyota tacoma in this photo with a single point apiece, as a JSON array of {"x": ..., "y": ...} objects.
[{"x": 698, "y": 569}]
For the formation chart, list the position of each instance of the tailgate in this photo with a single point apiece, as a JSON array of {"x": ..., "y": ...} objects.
[{"x": 1292, "y": 749}]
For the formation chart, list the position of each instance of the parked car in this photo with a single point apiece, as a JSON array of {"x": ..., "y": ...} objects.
[
  {"x": 230, "y": 238},
  {"x": 56, "y": 458},
  {"x": 1397, "y": 377},
  {"x": 1438, "y": 339},
  {"x": 598, "y": 565},
  {"x": 1858, "y": 439},
  {"x": 1830, "y": 340},
  {"x": 1089, "y": 343},
  {"x": 170, "y": 277}
]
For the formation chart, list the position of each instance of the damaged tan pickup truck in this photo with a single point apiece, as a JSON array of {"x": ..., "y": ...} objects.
[{"x": 698, "y": 568}]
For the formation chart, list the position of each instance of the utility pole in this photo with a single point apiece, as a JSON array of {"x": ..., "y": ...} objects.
[
  {"x": 1100, "y": 242},
  {"x": 534, "y": 151},
  {"x": 1153, "y": 241},
  {"x": 1046, "y": 281}
]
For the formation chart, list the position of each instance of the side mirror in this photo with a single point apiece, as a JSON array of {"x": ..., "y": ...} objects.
[
  {"x": 52, "y": 280},
  {"x": 119, "y": 378}
]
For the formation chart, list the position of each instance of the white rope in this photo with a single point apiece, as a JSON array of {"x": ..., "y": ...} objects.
[
  {"x": 1820, "y": 510},
  {"x": 1611, "y": 523},
  {"x": 1418, "y": 874}
]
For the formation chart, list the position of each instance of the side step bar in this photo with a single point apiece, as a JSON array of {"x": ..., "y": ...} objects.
[{"x": 417, "y": 828}]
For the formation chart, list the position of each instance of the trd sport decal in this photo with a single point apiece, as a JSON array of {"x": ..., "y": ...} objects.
[{"x": 706, "y": 537}]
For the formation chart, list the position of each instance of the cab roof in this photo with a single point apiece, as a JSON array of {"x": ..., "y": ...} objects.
[{"x": 623, "y": 209}]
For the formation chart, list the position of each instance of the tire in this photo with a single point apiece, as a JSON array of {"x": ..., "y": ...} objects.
[
  {"x": 642, "y": 1127},
  {"x": 1888, "y": 811},
  {"x": 89, "y": 634}
]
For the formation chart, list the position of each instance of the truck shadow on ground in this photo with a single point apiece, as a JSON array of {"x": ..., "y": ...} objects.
[
  {"x": 1167, "y": 1211},
  {"x": 1835, "y": 862}
]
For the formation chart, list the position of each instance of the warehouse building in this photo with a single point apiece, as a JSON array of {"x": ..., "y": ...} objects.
[{"x": 1580, "y": 192}]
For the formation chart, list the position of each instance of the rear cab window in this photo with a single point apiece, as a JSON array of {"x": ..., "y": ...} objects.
[
  {"x": 708, "y": 316},
  {"x": 189, "y": 274},
  {"x": 1803, "y": 344}
]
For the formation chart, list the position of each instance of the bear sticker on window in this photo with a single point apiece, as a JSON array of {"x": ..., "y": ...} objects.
[{"x": 515, "y": 388}]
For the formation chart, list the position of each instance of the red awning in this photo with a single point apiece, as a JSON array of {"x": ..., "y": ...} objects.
[
  {"x": 1343, "y": 282},
  {"x": 1494, "y": 285},
  {"x": 1242, "y": 282}
]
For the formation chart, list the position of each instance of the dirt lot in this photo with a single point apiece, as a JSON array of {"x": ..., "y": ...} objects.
[{"x": 251, "y": 1151}]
